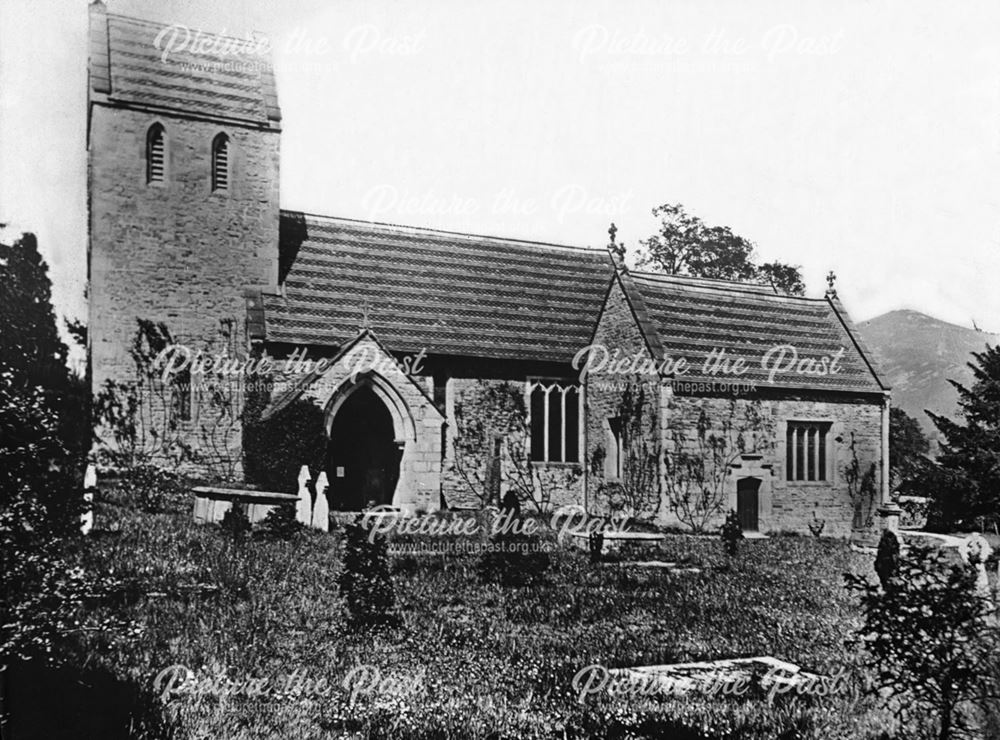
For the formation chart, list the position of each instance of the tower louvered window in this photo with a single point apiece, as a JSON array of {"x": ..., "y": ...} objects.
[
  {"x": 220, "y": 163},
  {"x": 155, "y": 154}
]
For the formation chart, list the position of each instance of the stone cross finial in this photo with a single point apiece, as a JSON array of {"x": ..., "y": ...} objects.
[
  {"x": 366, "y": 318},
  {"x": 616, "y": 249},
  {"x": 831, "y": 279}
]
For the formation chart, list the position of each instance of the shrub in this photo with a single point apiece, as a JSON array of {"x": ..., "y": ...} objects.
[
  {"x": 153, "y": 489},
  {"x": 928, "y": 639},
  {"x": 236, "y": 522},
  {"x": 731, "y": 533},
  {"x": 365, "y": 581},
  {"x": 276, "y": 449},
  {"x": 280, "y": 522},
  {"x": 887, "y": 559}
]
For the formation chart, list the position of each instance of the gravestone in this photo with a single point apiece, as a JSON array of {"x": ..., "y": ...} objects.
[
  {"x": 321, "y": 509},
  {"x": 303, "y": 508},
  {"x": 89, "y": 484}
]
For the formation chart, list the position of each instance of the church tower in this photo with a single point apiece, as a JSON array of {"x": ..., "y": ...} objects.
[{"x": 183, "y": 132}]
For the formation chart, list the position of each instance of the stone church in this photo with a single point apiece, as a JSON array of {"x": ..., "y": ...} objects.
[{"x": 456, "y": 368}]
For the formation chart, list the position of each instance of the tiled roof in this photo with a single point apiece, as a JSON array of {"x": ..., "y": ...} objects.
[
  {"x": 693, "y": 316},
  {"x": 448, "y": 293},
  {"x": 140, "y": 63}
]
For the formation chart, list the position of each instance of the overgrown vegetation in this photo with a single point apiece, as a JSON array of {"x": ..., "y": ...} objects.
[
  {"x": 365, "y": 581},
  {"x": 862, "y": 488},
  {"x": 929, "y": 640},
  {"x": 699, "y": 457},
  {"x": 635, "y": 492},
  {"x": 169, "y": 416},
  {"x": 275, "y": 449},
  {"x": 469, "y": 659},
  {"x": 44, "y": 437},
  {"x": 491, "y": 455}
]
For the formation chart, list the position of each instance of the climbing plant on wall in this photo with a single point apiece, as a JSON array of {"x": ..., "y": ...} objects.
[{"x": 699, "y": 456}]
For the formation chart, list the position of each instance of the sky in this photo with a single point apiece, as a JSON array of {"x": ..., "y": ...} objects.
[{"x": 853, "y": 136}]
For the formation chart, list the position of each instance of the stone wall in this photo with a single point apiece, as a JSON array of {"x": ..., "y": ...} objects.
[
  {"x": 605, "y": 392},
  {"x": 488, "y": 407},
  {"x": 417, "y": 423},
  {"x": 175, "y": 252},
  {"x": 785, "y": 504}
]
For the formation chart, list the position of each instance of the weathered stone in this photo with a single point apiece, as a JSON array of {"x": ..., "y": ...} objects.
[
  {"x": 303, "y": 509},
  {"x": 321, "y": 509},
  {"x": 89, "y": 484}
]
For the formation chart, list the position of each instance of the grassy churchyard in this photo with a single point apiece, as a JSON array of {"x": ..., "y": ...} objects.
[{"x": 261, "y": 624}]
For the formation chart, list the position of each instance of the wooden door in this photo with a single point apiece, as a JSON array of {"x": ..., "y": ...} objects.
[{"x": 747, "y": 503}]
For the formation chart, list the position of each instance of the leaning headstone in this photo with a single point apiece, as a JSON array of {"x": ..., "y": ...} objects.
[
  {"x": 303, "y": 507},
  {"x": 321, "y": 509},
  {"x": 89, "y": 484}
]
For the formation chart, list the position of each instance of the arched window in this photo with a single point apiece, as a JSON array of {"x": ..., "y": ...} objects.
[
  {"x": 220, "y": 162},
  {"x": 156, "y": 154}
]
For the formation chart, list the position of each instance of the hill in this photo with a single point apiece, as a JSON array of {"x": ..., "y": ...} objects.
[{"x": 918, "y": 354}]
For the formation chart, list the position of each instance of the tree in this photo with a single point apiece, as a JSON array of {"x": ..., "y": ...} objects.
[
  {"x": 40, "y": 464},
  {"x": 783, "y": 278},
  {"x": 38, "y": 386},
  {"x": 685, "y": 245},
  {"x": 908, "y": 448},
  {"x": 29, "y": 343},
  {"x": 964, "y": 485}
]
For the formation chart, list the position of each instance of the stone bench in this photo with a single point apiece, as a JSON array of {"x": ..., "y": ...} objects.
[{"x": 211, "y": 503}]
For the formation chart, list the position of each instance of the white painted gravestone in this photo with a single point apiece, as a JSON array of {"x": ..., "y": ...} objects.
[
  {"x": 89, "y": 484},
  {"x": 321, "y": 509},
  {"x": 303, "y": 508}
]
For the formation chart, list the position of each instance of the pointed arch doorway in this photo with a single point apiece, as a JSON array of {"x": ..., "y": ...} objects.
[{"x": 363, "y": 453}]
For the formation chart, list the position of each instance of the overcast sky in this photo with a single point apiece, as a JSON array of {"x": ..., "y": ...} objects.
[{"x": 862, "y": 137}]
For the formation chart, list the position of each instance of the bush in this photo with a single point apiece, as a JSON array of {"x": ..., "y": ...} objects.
[
  {"x": 280, "y": 522},
  {"x": 365, "y": 581},
  {"x": 276, "y": 449},
  {"x": 731, "y": 533},
  {"x": 235, "y": 522},
  {"x": 928, "y": 638},
  {"x": 153, "y": 489}
]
